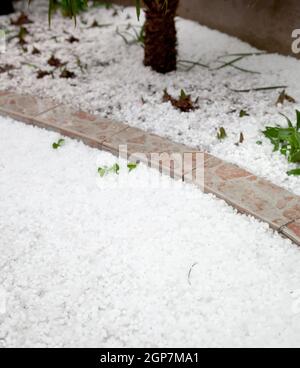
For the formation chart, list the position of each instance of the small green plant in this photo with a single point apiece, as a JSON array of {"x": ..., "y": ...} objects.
[
  {"x": 286, "y": 140},
  {"x": 69, "y": 8},
  {"x": 115, "y": 169},
  {"x": 58, "y": 144},
  {"x": 138, "y": 36},
  {"x": 221, "y": 134},
  {"x": 105, "y": 170}
]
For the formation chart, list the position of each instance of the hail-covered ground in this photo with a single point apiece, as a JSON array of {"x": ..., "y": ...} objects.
[
  {"x": 131, "y": 260},
  {"x": 110, "y": 79}
]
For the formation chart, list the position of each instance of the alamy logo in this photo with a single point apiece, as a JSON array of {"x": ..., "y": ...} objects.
[
  {"x": 187, "y": 166},
  {"x": 2, "y": 41},
  {"x": 296, "y": 42}
]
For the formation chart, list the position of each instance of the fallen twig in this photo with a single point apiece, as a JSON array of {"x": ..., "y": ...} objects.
[
  {"x": 244, "y": 54},
  {"x": 229, "y": 63},
  {"x": 256, "y": 89},
  {"x": 238, "y": 57},
  {"x": 193, "y": 64}
]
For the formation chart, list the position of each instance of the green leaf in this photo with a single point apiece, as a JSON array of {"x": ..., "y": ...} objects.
[
  {"x": 183, "y": 95},
  {"x": 115, "y": 169},
  {"x": 105, "y": 170},
  {"x": 58, "y": 144},
  {"x": 288, "y": 120},
  {"x": 295, "y": 157},
  {"x": 259, "y": 143},
  {"x": 50, "y": 10},
  {"x": 271, "y": 132},
  {"x": 298, "y": 119},
  {"x": 243, "y": 113},
  {"x": 138, "y": 8},
  {"x": 221, "y": 134},
  {"x": 283, "y": 151},
  {"x": 132, "y": 166},
  {"x": 295, "y": 172},
  {"x": 102, "y": 171}
]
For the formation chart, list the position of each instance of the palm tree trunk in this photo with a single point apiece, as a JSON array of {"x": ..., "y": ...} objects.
[
  {"x": 160, "y": 35},
  {"x": 6, "y": 7}
]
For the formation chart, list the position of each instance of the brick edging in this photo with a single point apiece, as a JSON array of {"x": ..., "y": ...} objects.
[{"x": 241, "y": 189}]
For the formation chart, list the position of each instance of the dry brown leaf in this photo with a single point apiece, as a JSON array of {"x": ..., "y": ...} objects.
[{"x": 184, "y": 103}]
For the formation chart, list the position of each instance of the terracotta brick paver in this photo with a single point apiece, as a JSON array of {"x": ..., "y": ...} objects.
[
  {"x": 24, "y": 106},
  {"x": 91, "y": 129},
  {"x": 252, "y": 195},
  {"x": 4, "y": 93},
  {"x": 292, "y": 231},
  {"x": 238, "y": 187},
  {"x": 248, "y": 193},
  {"x": 147, "y": 147}
]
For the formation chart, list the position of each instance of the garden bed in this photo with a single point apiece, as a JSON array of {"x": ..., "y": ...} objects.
[
  {"x": 110, "y": 261},
  {"x": 105, "y": 75}
]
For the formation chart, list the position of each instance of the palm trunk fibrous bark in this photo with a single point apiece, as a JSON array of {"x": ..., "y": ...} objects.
[
  {"x": 6, "y": 7},
  {"x": 160, "y": 35}
]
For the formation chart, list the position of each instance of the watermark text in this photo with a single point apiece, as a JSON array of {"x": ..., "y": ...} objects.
[{"x": 296, "y": 42}]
